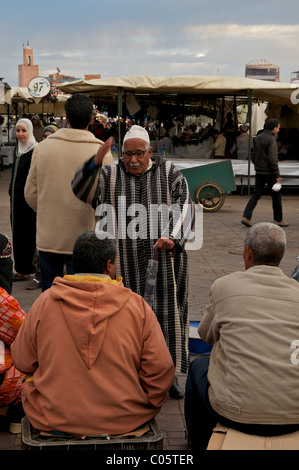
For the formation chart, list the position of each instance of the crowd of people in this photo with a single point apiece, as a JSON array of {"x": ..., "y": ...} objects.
[
  {"x": 59, "y": 219},
  {"x": 224, "y": 142},
  {"x": 92, "y": 356}
]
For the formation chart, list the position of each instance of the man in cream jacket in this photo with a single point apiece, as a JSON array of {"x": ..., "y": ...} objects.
[
  {"x": 61, "y": 217},
  {"x": 250, "y": 381}
]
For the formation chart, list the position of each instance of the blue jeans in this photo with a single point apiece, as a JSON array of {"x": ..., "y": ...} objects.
[
  {"x": 53, "y": 265},
  {"x": 261, "y": 181}
]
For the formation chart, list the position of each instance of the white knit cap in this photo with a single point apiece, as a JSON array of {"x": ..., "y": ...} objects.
[{"x": 137, "y": 132}]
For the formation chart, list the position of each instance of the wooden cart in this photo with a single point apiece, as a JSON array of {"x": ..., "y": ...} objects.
[{"x": 210, "y": 183}]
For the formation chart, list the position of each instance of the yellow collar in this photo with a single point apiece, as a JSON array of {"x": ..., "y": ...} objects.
[{"x": 91, "y": 278}]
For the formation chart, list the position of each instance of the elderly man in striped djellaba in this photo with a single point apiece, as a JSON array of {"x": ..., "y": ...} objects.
[{"x": 147, "y": 203}]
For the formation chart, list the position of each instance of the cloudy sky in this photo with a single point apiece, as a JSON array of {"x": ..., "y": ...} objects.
[{"x": 154, "y": 37}]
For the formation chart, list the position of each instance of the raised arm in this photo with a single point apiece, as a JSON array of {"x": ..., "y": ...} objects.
[{"x": 85, "y": 184}]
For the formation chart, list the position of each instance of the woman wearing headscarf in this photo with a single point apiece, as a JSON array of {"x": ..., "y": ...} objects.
[
  {"x": 48, "y": 130},
  {"x": 23, "y": 218}
]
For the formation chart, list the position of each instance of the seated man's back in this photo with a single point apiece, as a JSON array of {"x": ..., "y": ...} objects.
[
  {"x": 249, "y": 382},
  {"x": 98, "y": 358},
  {"x": 256, "y": 315}
]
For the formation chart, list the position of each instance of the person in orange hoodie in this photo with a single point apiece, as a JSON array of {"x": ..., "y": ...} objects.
[{"x": 93, "y": 350}]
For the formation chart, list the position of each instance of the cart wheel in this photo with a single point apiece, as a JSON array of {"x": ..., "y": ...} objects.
[{"x": 210, "y": 196}]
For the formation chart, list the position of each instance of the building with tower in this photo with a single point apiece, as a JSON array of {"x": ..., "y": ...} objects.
[
  {"x": 27, "y": 70},
  {"x": 262, "y": 70},
  {"x": 295, "y": 77}
]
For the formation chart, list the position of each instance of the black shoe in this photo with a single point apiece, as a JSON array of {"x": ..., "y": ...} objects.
[{"x": 176, "y": 391}]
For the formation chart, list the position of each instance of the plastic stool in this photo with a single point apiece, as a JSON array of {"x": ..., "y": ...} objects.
[
  {"x": 32, "y": 440},
  {"x": 224, "y": 438}
]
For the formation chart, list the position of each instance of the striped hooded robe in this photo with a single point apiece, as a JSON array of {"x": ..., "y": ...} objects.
[{"x": 162, "y": 183}]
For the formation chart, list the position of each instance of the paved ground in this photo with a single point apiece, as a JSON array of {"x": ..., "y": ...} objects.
[{"x": 220, "y": 254}]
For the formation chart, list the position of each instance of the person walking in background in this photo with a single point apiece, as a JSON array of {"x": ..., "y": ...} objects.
[
  {"x": 23, "y": 217},
  {"x": 265, "y": 160}
]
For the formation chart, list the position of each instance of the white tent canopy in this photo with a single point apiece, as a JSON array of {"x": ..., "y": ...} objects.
[
  {"x": 277, "y": 92},
  {"x": 21, "y": 94},
  {"x": 29, "y": 104},
  {"x": 149, "y": 88}
]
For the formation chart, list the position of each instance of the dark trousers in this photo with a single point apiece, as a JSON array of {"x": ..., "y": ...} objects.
[
  {"x": 199, "y": 415},
  {"x": 261, "y": 181},
  {"x": 52, "y": 265},
  {"x": 201, "y": 418},
  {"x": 6, "y": 275}
]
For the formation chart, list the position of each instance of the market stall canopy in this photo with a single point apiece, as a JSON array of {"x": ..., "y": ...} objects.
[
  {"x": 276, "y": 92},
  {"x": 21, "y": 94},
  {"x": 47, "y": 104},
  {"x": 5, "y": 96},
  {"x": 6, "y": 93},
  {"x": 15, "y": 95}
]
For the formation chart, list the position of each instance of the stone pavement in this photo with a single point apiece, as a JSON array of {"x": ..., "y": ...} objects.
[{"x": 221, "y": 253}]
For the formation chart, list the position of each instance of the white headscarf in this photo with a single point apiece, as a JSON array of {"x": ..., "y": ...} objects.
[{"x": 24, "y": 147}]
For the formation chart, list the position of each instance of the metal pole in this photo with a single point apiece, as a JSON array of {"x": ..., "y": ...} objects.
[
  {"x": 8, "y": 124},
  {"x": 222, "y": 112},
  {"x": 236, "y": 124},
  {"x": 120, "y": 113},
  {"x": 214, "y": 112},
  {"x": 249, "y": 141}
]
